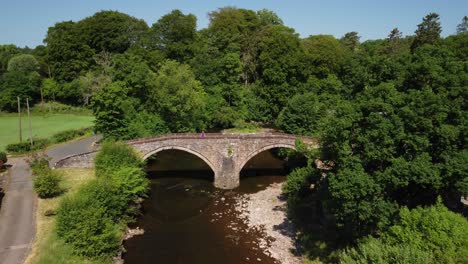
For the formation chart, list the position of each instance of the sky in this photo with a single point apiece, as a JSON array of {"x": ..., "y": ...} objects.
[{"x": 25, "y": 22}]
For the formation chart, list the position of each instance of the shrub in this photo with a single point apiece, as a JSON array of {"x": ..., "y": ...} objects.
[
  {"x": 421, "y": 235},
  {"x": 114, "y": 156},
  {"x": 69, "y": 134},
  {"x": 132, "y": 182},
  {"x": 84, "y": 223},
  {"x": 3, "y": 158},
  {"x": 373, "y": 250},
  {"x": 47, "y": 184},
  {"x": 25, "y": 147}
]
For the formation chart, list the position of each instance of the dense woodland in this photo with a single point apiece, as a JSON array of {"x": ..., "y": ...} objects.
[{"x": 390, "y": 114}]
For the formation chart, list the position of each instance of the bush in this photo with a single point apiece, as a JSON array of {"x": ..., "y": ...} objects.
[
  {"x": 85, "y": 224},
  {"x": 3, "y": 158},
  {"x": 132, "y": 183},
  {"x": 421, "y": 235},
  {"x": 25, "y": 147},
  {"x": 69, "y": 134},
  {"x": 114, "y": 156},
  {"x": 47, "y": 184},
  {"x": 54, "y": 107},
  {"x": 91, "y": 220},
  {"x": 374, "y": 251}
]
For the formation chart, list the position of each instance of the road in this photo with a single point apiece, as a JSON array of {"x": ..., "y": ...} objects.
[{"x": 17, "y": 213}]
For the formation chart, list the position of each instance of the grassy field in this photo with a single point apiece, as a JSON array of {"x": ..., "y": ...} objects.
[
  {"x": 43, "y": 125},
  {"x": 47, "y": 247}
]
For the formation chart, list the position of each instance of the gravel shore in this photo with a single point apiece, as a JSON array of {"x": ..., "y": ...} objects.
[{"x": 266, "y": 211}]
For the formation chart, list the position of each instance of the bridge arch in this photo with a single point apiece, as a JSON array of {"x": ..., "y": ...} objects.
[
  {"x": 206, "y": 160},
  {"x": 253, "y": 154}
]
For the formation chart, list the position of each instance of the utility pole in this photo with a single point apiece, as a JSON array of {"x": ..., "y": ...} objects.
[
  {"x": 29, "y": 119},
  {"x": 19, "y": 116}
]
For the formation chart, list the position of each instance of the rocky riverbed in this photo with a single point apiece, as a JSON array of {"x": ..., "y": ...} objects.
[{"x": 266, "y": 211}]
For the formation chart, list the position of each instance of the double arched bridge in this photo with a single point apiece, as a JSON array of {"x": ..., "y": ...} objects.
[{"x": 225, "y": 154}]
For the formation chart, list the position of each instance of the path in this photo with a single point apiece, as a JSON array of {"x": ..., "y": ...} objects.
[{"x": 17, "y": 213}]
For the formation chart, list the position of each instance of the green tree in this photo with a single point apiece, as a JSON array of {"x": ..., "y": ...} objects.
[
  {"x": 6, "y": 53},
  {"x": 462, "y": 28},
  {"x": 111, "y": 31},
  {"x": 428, "y": 31},
  {"x": 324, "y": 55},
  {"x": 351, "y": 40},
  {"x": 110, "y": 105},
  {"x": 175, "y": 34},
  {"x": 268, "y": 17},
  {"x": 68, "y": 55},
  {"x": 178, "y": 97},
  {"x": 23, "y": 63}
]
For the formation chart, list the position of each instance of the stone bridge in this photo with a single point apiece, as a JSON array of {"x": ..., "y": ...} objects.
[{"x": 225, "y": 154}]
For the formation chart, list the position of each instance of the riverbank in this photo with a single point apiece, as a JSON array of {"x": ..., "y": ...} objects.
[{"x": 266, "y": 211}]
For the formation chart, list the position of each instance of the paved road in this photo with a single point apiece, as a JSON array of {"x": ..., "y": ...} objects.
[
  {"x": 17, "y": 213},
  {"x": 17, "y": 226},
  {"x": 72, "y": 148}
]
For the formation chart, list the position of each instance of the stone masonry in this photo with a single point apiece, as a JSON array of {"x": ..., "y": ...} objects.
[{"x": 226, "y": 154}]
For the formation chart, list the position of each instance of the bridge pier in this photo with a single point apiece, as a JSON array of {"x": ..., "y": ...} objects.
[{"x": 226, "y": 174}]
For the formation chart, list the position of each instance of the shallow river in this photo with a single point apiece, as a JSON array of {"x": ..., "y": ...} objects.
[{"x": 187, "y": 220}]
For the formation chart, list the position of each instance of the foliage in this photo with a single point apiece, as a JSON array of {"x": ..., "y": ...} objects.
[
  {"x": 69, "y": 134},
  {"x": 91, "y": 220},
  {"x": 421, "y": 235},
  {"x": 25, "y": 146},
  {"x": 23, "y": 63},
  {"x": 131, "y": 182},
  {"x": 3, "y": 157},
  {"x": 375, "y": 251},
  {"x": 428, "y": 31},
  {"x": 113, "y": 156},
  {"x": 46, "y": 182},
  {"x": 175, "y": 34},
  {"x": 84, "y": 222},
  {"x": 178, "y": 97}
]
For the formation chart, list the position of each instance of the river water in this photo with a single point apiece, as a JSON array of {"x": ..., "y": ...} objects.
[{"x": 187, "y": 220}]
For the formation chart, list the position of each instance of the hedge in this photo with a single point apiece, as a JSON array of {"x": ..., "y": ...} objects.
[
  {"x": 25, "y": 147},
  {"x": 69, "y": 134}
]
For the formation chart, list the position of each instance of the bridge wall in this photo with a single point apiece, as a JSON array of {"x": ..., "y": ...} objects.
[{"x": 226, "y": 154}]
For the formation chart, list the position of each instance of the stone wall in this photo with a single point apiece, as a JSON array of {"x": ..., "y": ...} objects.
[
  {"x": 226, "y": 154},
  {"x": 83, "y": 160}
]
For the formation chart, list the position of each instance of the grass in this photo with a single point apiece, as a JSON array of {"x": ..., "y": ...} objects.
[
  {"x": 43, "y": 125},
  {"x": 47, "y": 247},
  {"x": 243, "y": 130}
]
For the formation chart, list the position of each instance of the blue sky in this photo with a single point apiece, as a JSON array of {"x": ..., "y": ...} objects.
[{"x": 25, "y": 22}]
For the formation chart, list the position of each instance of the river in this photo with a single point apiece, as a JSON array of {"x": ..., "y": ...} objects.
[{"x": 187, "y": 220}]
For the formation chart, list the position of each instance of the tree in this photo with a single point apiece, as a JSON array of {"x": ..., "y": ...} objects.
[
  {"x": 6, "y": 53},
  {"x": 268, "y": 17},
  {"x": 302, "y": 114},
  {"x": 324, "y": 55},
  {"x": 462, "y": 28},
  {"x": 175, "y": 34},
  {"x": 394, "y": 42},
  {"x": 110, "y": 105},
  {"x": 68, "y": 55},
  {"x": 23, "y": 63},
  {"x": 428, "y": 31},
  {"x": 111, "y": 31},
  {"x": 178, "y": 97},
  {"x": 351, "y": 40}
]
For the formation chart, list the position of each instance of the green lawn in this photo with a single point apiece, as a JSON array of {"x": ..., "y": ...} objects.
[{"x": 43, "y": 125}]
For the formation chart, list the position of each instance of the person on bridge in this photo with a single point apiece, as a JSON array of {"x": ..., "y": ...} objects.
[{"x": 202, "y": 134}]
